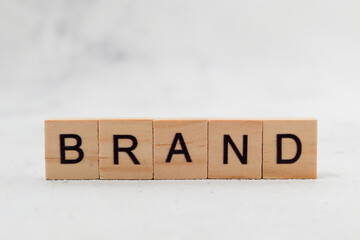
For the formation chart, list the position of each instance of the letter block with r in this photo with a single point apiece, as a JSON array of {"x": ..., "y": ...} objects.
[{"x": 126, "y": 148}]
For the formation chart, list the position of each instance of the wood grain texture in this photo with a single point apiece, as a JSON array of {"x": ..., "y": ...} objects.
[
  {"x": 194, "y": 133},
  {"x": 142, "y": 130},
  {"x": 236, "y": 129},
  {"x": 305, "y": 166},
  {"x": 87, "y": 168}
]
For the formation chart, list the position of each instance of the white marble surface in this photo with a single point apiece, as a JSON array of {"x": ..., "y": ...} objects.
[{"x": 179, "y": 59}]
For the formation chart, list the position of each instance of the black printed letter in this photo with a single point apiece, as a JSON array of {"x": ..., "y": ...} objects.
[
  {"x": 64, "y": 148},
  {"x": 228, "y": 140},
  {"x": 128, "y": 150},
  {"x": 279, "y": 138},
  {"x": 178, "y": 137}
]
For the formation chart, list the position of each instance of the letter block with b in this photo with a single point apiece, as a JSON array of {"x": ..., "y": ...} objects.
[
  {"x": 289, "y": 148},
  {"x": 126, "y": 148},
  {"x": 71, "y": 149},
  {"x": 180, "y": 149}
]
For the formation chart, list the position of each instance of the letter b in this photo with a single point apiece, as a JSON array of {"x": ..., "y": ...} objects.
[{"x": 76, "y": 147}]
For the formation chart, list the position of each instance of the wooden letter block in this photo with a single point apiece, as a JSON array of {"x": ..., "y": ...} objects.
[
  {"x": 126, "y": 149},
  {"x": 180, "y": 149},
  {"x": 289, "y": 148},
  {"x": 235, "y": 149},
  {"x": 71, "y": 149}
]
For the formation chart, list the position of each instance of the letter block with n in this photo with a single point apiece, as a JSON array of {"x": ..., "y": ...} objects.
[
  {"x": 289, "y": 148},
  {"x": 126, "y": 148},
  {"x": 71, "y": 149},
  {"x": 235, "y": 148}
]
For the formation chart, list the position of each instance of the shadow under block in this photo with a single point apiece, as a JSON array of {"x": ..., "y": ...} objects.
[
  {"x": 180, "y": 149},
  {"x": 289, "y": 148},
  {"x": 126, "y": 149},
  {"x": 71, "y": 149},
  {"x": 235, "y": 149}
]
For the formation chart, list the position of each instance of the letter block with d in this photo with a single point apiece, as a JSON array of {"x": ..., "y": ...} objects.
[
  {"x": 126, "y": 149},
  {"x": 71, "y": 149},
  {"x": 180, "y": 149},
  {"x": 289, "y": 148}
]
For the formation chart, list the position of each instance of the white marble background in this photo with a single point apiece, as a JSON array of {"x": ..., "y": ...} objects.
[{"x": 179, "y": 59}]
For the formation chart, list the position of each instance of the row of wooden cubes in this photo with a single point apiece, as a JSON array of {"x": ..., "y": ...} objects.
[{"x": 180, "y": 148}]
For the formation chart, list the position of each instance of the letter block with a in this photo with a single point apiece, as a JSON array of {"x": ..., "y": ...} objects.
[
  {"x": 71, "y": 149},
  {"x": 289, "y": 148},
  {"x": 126, "y": 148},
  {"x": 235, "y": 149},
  {"x": 180, "y": 149}
]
